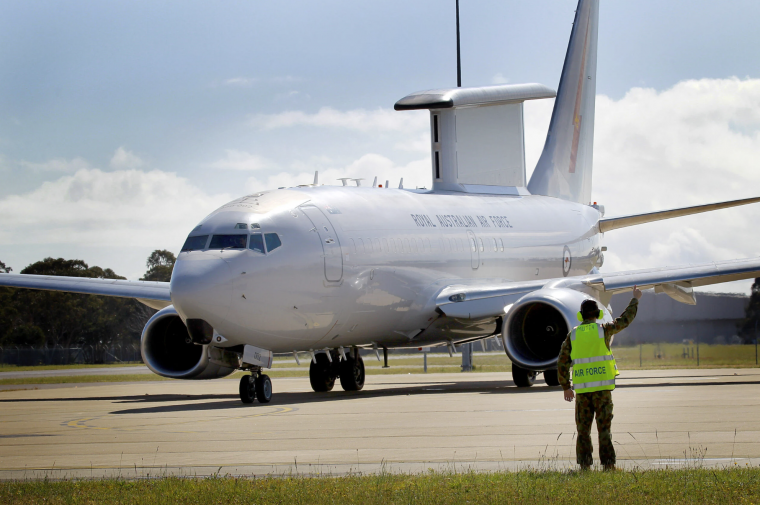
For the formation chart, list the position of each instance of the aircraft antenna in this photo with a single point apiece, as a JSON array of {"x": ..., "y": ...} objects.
[
  {"x": 459, "y": 60},
  {"x": 374, "y": 183},
  {"x": 316, "y": 177},
  {"x": 401, "y": 184}
]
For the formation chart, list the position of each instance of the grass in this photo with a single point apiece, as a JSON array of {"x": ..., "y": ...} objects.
[
  {"x": 653, "y": 356},
  {"x": 629, "y": 487},
  {"x": 16, "y": 368}
]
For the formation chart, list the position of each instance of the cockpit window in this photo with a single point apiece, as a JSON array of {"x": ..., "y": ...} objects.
[
  {"x": 255, "y": 226},
  {"x": 273, "y": 241},
  {"x": 195, "y": 243},
  {"x": 228, "y": 242},
  {"x": 256, "y": 243}
]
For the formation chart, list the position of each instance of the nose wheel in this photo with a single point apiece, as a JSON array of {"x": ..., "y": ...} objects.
[{"x": 255, "y": 386}]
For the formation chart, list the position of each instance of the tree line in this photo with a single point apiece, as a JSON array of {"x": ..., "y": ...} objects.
[{"x": 36, "y": 318}]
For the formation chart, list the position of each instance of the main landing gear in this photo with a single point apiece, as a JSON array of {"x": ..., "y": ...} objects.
[
  {"x": 255, "y": 386},
  {"x": 526, "y": 378},
  {"x": 325, "y": 369}
]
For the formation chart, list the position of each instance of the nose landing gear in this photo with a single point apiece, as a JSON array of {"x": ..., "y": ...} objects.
[{"x": 255, "y": 386}]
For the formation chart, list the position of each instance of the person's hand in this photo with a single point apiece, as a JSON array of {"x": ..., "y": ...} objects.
[
  {"x": 636, "y": 293},
  {"x": 569, "y": 395}
]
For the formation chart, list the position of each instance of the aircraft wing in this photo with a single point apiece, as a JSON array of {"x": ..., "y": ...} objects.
[
  {"x": 153, "y": 294},
  {"x": 489, "y": 299}
]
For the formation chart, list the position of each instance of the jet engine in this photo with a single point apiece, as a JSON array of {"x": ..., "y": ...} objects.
[
  {"x": 538, "y": 323},
  {"x": 167, "y": 349}
]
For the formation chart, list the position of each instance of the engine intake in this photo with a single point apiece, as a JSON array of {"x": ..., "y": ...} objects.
[
  {"x": 538, "y": 323},
  {"x": 168, "y": 350}
]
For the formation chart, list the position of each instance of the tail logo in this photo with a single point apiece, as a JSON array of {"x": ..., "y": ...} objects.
[{"x": 577, "y": 117}]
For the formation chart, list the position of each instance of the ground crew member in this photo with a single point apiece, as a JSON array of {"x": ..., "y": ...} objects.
[{"x": 587, "y": 350}]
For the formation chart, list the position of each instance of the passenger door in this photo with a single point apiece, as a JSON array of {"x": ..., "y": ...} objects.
[{"x": 329, "y": 240}]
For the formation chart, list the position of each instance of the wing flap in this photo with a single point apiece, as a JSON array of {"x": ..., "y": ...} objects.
[{"x": 153, "y": 294}]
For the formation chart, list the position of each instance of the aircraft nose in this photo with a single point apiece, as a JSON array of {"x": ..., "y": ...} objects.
[{"x": 201, "y": 287}]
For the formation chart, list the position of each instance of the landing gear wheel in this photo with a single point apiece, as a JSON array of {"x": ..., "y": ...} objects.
[
  {"x": 551, "y": 377},
  {"x": 352, "y": 374},
  {"x": 247, "y": 389},
  {"x": 523, "y": 378},
  {"x": 263, "y": 386},
  {"x": 321, "y": 375}
]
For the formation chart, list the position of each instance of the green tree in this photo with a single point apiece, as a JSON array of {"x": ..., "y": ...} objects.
[
  {"x": 751, "y": 322},
  {"x": 7, "y": 309},
  {"x": 160, "y": 265},
  {"x": 68, "y": 319}
]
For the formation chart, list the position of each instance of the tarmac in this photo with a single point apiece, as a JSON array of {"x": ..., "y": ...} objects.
[{"x": 398, "y": 423}]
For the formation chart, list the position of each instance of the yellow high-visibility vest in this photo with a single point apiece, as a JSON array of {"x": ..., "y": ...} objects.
[{"x": 594, "y": 367}]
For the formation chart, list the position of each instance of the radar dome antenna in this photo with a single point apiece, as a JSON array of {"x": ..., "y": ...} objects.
[{"x": 459, "y": 60}]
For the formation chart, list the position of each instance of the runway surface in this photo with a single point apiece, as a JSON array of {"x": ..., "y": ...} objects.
[{"x": 397, "y": 423}]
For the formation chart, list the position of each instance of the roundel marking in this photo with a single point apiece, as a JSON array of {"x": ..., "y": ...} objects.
[{"x": 567, "y": 261}]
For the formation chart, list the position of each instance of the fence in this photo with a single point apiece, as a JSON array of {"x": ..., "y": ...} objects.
[
  {"x": 686, "y": 355},
  {"x": 58, "y": 355}
]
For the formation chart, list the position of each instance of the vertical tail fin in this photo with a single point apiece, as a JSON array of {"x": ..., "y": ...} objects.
[{"x": 564, "y": 169}]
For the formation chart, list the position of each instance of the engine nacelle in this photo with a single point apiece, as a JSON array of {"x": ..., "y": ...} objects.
[
  {"x": 539, "y": 322},
  {"x": 167, "y": 349}
]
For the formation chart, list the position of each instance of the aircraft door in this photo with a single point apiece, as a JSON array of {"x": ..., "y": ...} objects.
[
  {"x": 330, "y": 244},
  {"x": 474, "y": 254}
]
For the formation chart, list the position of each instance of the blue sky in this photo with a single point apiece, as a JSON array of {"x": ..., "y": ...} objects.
[{"x": 195, "y": 96}]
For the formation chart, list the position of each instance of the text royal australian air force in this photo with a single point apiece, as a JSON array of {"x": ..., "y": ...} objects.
[{"x": 460, "y": 221}]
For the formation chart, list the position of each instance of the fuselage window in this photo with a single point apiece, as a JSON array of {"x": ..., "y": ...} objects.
[
  {"x": 407, "y": 247},
  {"x": 501, "y": 245},
  {"x": 255, "y": 226},
  {"x": 256, "y": 243},
  {"x": 385, "y": 245},
  {"x": 427, "y": 243},
  {"x": 368, "y": 245},
  {"x": 228, "y": 242},
  {"x": 360, "y": 245},
  {"x": 376, "y": 243},
  {"x": 195, "y": 243},
  {"x": 353, "y": 246},
  {"x": 241, "y": 226},
  {"x": 481, "y": 244},
  {"x": 473, "y": 246},
  {"x": 495, "y": 247},
  {"x": 273, "y": 241},
  {"x": 414, "y": 245}
]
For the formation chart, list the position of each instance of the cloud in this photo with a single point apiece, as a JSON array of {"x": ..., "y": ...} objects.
[
  {"x": 697, "y": 142},
  {"x": 499, "y": 78},
  {"x": 123, "y": 159},
  {"x": 416, "y": 174},
  {"x": 56, "y": 165},
  {"x": 241, "y": 160},
  {"x": 119, "y": 209},
  {"x": 241, "y": 81},
  {"x": 386, "y": 120}
]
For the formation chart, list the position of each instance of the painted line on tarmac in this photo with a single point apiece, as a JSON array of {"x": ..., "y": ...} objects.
[{"x": 84, "y": 423}]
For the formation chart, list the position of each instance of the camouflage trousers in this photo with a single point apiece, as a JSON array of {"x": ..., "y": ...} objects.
[{"x": 587, "y": 405}]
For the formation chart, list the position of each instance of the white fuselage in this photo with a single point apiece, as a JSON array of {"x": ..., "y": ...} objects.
[{"x": 361, "y": 265}]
